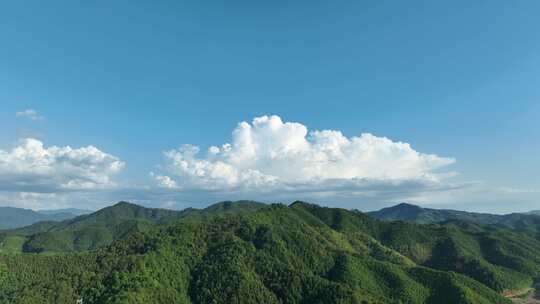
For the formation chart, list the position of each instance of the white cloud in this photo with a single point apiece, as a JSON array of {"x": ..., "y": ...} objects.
[
  {"x": 30, "y": 114},
  {"x": 270, "y": 155},
  {"x": 164, "y": 181},
  {"x": 30, "y": 167},
  {"x": 32, "y": 200}
]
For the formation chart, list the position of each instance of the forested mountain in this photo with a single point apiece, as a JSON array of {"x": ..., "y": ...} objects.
[
  {"x": 101, "y": 228},
  {"x": 413, "y": 213},
  {"x": 300, "y": 253},
  {"x": 11, "y": 217},
  {"x": 525, "y": 222}
]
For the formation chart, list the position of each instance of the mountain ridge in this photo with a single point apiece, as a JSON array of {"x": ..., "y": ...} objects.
[
  {"x": 74, "y": 211},
  {"x": 301, "y": 253},
  {"x": 104, "y": 226},
  {"x": 12, "y": 217}
]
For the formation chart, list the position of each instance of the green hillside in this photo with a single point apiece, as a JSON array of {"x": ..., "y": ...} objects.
[
  {"x": 278, "y": 254},
  {"x": 501, "y": 259},
  {"x": 101, "y": 228}
]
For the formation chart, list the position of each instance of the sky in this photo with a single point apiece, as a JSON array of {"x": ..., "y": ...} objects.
[{"x": 355, "y": 104}]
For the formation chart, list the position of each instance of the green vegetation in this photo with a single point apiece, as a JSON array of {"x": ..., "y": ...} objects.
[
  {"x": 11, "y": 243},
  {"x": 244, "y": 252},
  {"x": 100, "y": 229},
  {"x": 500, "y": 259}
]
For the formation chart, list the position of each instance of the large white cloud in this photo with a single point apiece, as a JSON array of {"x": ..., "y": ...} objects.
[
  {"x": 270, "y": 155},
  {"x": 31, "y": 167}
]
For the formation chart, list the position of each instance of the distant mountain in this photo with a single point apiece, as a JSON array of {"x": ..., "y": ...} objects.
[
  {"x": 74, "y": 211},
  {"x": 527, "y": 222},
  {"x": 230, "y": 207},
  {"x": 101, "y": 228},
  {"x": 413, "y": 213},
  {"x": 11, "y": 217},
  {"x": 251, "y": 253},
  {"x": 534, "y": 212}
]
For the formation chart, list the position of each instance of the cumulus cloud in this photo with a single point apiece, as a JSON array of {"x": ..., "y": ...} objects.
[
  {"x": 271, "y": 155},
  {"x": 30, "y": 114},
  {"x": 164, "y": 181},
  {"x": 32, "y": 168}
]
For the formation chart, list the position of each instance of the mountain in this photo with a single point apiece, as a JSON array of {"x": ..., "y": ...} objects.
[
  {"x": 413, "y": 213},
  {"x": 498, "y": 258},
  {"x": 74, "y": 211},
  {"x": 302, "y": 253},
  {"x": 101, "y": 228},
  {"x": 11, "y": 217},
  {"x": 230, "y": 207},
  {"x": 524, "y": 222}
]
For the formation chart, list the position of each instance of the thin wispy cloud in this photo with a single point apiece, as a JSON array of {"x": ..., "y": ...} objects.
[{"x": 30, "y": 114}]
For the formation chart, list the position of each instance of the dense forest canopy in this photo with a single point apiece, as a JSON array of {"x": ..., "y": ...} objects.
[{"x": 248, "y": 252}]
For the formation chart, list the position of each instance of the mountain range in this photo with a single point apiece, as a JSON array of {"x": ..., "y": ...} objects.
[
  {"x": 249, "y": 252},
  {"x": 11, "y": 217},
  {"x": 525, "y": 222},
  {"x": 74, "y": 211},
  {"x": 101, "y": 228}
]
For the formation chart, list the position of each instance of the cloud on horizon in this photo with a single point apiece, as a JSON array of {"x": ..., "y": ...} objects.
[
  {"x": 32, "y": 168},
  {"x": 276, "y": 158},
  {"x": 267, "y": 160}
]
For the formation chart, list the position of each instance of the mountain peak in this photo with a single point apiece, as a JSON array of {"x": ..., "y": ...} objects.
[
  {"x": 124, "y": 203},
  {"x": 405, "y": 205},
  {"x": 401, "y": 211},
  {"x": 301, "y": 203}
]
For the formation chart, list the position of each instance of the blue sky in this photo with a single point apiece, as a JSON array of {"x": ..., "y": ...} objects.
[{"x": 134, "y": 79}]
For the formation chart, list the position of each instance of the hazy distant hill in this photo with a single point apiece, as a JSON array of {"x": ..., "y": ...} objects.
[
  {"x": 11, "y": 217},
  {"x": 74, "y": 211},
  {"x": 535, "y": 212},
  {"x": 413, "y": 213},
  {"x": 527, "y": 222}
]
